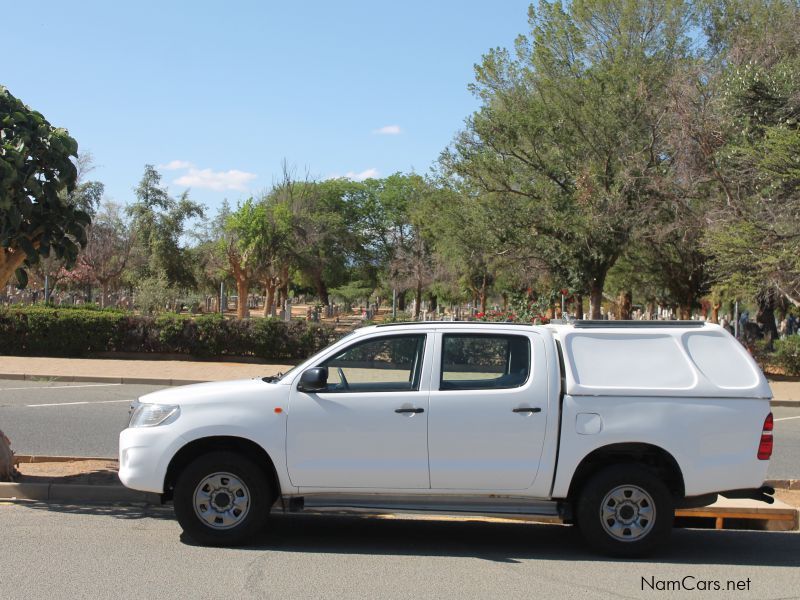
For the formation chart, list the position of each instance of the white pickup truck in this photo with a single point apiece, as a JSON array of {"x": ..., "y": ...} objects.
[{"x": 608, "y": 425}]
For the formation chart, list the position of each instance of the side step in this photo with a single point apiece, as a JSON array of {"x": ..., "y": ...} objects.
[{"x": 517, "y": 509}]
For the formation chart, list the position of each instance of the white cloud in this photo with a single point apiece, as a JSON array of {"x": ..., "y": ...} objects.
[
  {"x": 388, "y": 130},
  {"x": 367, "y": 174},
  {"x": 176, "y": 165},
  {"x": 216, "y": 180}
]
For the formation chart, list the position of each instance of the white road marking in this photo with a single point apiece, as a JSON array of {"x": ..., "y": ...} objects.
[
  {"x": 787, "y": 418},
  {"x": 77, "y": 403},
  {"x": 58, "y": 387}
]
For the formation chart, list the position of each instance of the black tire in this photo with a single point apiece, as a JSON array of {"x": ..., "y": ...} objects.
[
  {"x": 626, "y": 511},
  {"x": 239, "y": 499}
]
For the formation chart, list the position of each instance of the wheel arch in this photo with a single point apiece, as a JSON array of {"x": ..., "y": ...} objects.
[
  {"x": 240, "y": 445},
  {"x": 661, "y": 462}
]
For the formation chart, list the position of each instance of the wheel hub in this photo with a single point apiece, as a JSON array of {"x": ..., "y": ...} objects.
[
  {"x": 627, "y": 513},
  {"x": 221, "y": 500}
]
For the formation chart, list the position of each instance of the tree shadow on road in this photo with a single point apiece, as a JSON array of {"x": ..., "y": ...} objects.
[{"x": 126, "y": 512}]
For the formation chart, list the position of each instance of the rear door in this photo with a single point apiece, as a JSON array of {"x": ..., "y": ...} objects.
[{"x": 488, "y": 410}]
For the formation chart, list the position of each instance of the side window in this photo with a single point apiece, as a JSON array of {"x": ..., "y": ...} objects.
[
  {"x": 387, "y": 364},
  {"x": 477, "y": 362}
]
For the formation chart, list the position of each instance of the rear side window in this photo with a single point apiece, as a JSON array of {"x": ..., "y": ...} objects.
[{"x": 477, "y": 362}]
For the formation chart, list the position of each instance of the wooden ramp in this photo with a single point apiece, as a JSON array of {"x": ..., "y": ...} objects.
[{"x": 741, "y": 514}]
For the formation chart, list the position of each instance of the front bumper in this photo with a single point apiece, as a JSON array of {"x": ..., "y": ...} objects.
[{"x": 144, "y": 456}]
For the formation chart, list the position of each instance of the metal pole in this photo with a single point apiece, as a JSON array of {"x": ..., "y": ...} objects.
[
  {"x": 394, "y": 303},
  {"x": 46, "y": 288},
  {"x": 563, "y": 298},
  {"x": 221, "y": 297},
  {"x": 736, "y": 320}
]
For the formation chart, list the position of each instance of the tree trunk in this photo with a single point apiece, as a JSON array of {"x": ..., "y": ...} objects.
[
  {"x": 401, "y": 300},
  {"x": 765, "y": 316},
  {"x": 579, "y": 306},
  {"x": 482, "y": 294},
  {"x": 321, "y": 288},
  {"x": 104, "y": 293},
  {"x": 417, "y": 301},
  {"x": 242, "y": 289},
  {"x": 624, "y": 306},
  {"x": 595, "y": 299},
  {"x": 9, "y": 263},
  {"x": 8, "y": 471},
  {"x": 269, "y": 301},
  {"x": 715, "y": 311}
]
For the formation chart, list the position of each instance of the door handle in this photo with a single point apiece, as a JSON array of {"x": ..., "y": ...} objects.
[
  {"x": 416, "y": 411},
  {"x": 527, "y": 410}
]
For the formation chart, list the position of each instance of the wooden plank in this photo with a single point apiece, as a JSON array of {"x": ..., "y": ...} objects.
[{"x": 735, "y": 514}]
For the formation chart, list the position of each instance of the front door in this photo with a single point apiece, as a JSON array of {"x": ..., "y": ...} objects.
[
  {"x": 369, "y": 427},
  {"x": 488, "y": 411}
]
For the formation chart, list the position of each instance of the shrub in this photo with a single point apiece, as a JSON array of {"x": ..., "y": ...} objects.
[
  {"x": 46, "y": 331},
  {"x": 787, "y": 354},
  {"x": 154, "y": 294}
]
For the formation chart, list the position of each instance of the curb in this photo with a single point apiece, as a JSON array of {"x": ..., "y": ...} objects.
[
  {"x": 786, "y": 403},
  {"x": 101, "y": 379},
  {"x": 26, "y": 459},
  {"x": 76, "y": 493}
]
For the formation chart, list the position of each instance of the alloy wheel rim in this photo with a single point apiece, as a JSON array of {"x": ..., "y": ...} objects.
[
  {"x": 627, "y": 513},
  {"x": 221, "y": 500}
]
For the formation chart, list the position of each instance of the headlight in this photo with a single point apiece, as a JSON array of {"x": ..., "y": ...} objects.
[{"x": 150, "y": 415}]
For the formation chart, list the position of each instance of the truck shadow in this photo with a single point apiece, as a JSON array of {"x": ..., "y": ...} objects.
[
  {"x": 511, "y": 542},
  {"x": 491, "y": 541}
]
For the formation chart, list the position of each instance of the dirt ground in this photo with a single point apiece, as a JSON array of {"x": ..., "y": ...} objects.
[
  {"x": 104, "y": 472},
  {"x": 99, "y": 472}
]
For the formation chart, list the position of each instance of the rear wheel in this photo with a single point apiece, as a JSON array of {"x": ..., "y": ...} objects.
[
  {"x": 222, "y": 499},
  {"x": 625, "y": 510}
]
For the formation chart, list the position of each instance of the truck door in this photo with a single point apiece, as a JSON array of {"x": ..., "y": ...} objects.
[
  {"x": 369, "y": 428},
  {"x": 488, "y": 410}
]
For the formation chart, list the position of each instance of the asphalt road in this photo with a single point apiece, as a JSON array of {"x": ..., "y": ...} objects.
[
  {"x": 84, "y": 419},
  {"x": 58, "y": 552},
  {"x": 66, "y": 419}
]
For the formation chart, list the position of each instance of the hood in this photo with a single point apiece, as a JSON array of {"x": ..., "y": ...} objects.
[{"x": 211, "y": 392}]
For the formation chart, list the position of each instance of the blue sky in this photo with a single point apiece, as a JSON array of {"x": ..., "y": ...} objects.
[{"x": 218, "y": 94}]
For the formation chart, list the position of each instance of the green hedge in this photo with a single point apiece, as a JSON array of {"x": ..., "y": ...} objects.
[
  {"x": 787, "y": 354},
  {"x": 43, "y": 331}
]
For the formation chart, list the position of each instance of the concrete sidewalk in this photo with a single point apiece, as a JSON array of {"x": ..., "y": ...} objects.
[
  {"x": 182, "y": 372},
  {"x": 155, "y": 372}
]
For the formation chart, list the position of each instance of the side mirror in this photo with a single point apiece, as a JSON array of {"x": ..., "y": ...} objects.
[{"x": 313, "y": 380}]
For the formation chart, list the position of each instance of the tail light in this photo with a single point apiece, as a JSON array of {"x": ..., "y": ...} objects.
[{"x": 765, "y": 446}]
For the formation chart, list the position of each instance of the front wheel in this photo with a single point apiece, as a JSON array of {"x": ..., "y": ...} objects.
[
  {"x": 221, "y": 499},
  {"x": 625, "y": 510}
]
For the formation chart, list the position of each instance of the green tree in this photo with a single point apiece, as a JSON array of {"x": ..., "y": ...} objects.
[
  {"x": 159, "y": 223},
  {"x": 756, "y": 179},
  {"x": 568, "y": 137},
  {"x": 108, "y": 249},
  {"x": 37, "y": 174},
  {"x": 328, "y": 237},
  {"x": 243, "y": 236}
]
